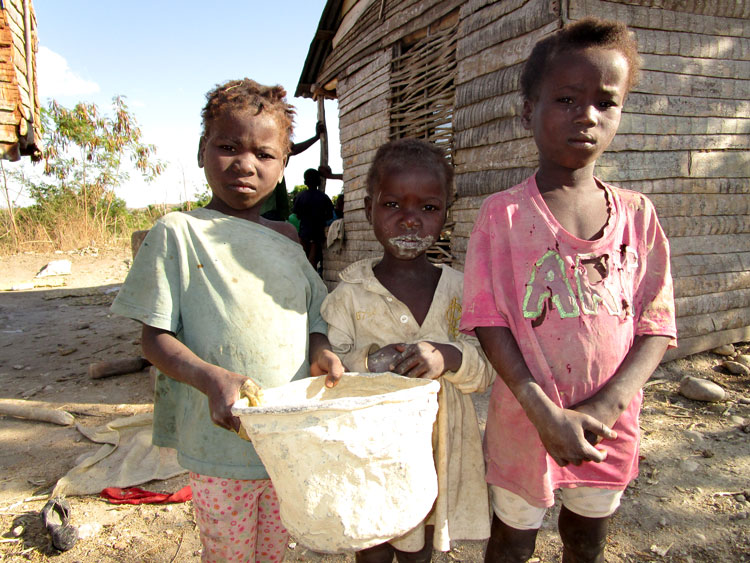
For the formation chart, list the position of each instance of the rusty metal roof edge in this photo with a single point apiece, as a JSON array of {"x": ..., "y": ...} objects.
[{"x": 320, "y": 47}]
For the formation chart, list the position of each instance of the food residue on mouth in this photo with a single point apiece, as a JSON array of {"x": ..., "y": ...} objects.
[{"x": 412, "y": 244}]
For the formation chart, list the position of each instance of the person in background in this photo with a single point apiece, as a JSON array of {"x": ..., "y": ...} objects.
[
  {"x": 338, "y": 207},
  {"x": 276, "y": 207},
  {"x": 400, "y": 313},
  {"x": 314, "y": 209},
  {"x": 216, "y": 311},
  {"x": 294, "y": 221},
  {"x": 568, "y": 289}
]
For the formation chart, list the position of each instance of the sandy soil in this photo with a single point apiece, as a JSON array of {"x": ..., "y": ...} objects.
[{"x": 691, "y": 502}]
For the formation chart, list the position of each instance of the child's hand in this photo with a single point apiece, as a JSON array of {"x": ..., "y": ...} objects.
[
  {"x": 384, "y": 359},
  {"x": 323, "y": 360},
  {"x": 563, "y": 434},
  {"x": 427, "y": 360},
  {"x": 596, "y": 409},
  {"x": 329, "y": 364},
  {"x": 222, "y": 388}
]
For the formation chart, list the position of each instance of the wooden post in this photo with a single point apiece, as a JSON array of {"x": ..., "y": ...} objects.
[{"x": 323, "y": 138}]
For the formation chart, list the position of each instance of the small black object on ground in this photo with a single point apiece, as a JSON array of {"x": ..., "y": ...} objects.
[{"x": 56, "y": 519}]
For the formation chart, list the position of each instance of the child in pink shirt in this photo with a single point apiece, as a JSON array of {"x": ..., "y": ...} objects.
[{"x": 567, "y": 286}]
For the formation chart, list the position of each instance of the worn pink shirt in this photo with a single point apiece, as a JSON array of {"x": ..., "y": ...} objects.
[{"x": 574, "y": 307}]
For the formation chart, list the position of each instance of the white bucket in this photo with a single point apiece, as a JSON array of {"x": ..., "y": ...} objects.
[{"x": 353, "y": 465}]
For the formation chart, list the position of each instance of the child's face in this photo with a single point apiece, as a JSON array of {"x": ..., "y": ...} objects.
[
  {"x": 243, "y": 158},
  {"x": 577, "y": 110},
  {"x": 407, "y": 211}
]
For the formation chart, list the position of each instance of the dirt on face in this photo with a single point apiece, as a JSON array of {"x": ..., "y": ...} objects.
[{"x": 691, "y": 502}]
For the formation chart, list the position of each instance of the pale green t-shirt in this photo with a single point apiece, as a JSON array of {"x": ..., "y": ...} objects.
[{"x": 240, "y": 296}]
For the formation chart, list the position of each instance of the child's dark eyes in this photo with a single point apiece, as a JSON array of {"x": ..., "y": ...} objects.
[
  {"x": 607, "y": 104},
  {"x": 226, "y": 148},
  {"x": 430, "y": 207},
  {"x": 392, "y": 204}
]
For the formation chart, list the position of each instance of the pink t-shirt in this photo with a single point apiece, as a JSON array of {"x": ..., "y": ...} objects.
[{"x": 574, "y": 307}]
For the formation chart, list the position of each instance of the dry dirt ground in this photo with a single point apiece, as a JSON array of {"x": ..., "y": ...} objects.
[{"x": 690, "y": 503}]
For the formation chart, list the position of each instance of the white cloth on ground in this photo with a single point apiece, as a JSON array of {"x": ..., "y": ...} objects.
[{"x": 127, "y": 458}]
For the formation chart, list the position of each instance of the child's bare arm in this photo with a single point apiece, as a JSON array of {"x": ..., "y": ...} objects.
[
  {"x": 177, "y": 361},
  {"x": 560, "y": 430},
  {"x": 323, "y": 361},
  {"x": 640, "y": 362},
  {"x": 428, "y": 360}
]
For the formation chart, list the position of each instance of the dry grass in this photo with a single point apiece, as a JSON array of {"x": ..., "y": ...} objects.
[{"x": 67, "y": 230}]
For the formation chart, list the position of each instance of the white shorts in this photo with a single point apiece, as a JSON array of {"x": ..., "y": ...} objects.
[{"x": 588, "y": 502}]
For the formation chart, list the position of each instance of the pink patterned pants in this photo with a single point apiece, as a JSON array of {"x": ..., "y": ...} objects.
[{"x": 238, "y": 520}]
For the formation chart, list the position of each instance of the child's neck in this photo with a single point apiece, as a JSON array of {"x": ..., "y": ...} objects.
[
  {"x": 551, "y": 178},
  {"x": 413, "y": 282},
  {"x": 576, "y": 200},
  {"x": 249, "y": 214}
]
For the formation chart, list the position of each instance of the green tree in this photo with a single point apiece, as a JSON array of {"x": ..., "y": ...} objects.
[
  {"x": 298, "y": 189},
  {"x": 85, "y": 160}
]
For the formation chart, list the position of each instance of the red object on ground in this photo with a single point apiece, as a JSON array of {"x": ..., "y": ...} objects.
[{"x": 135, "y": 495}]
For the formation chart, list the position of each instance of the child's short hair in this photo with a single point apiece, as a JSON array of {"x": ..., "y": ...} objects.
[
  {"x": 246, "y": 94},
  {"x": 588, "y": 32},
  {"x": 400, "y": 154},
  {"x": 312, "y": 178}
]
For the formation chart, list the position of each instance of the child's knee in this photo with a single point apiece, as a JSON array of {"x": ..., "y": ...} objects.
[
  {"x": 509, "y": 545},
  {"x": 583, "y": 539}
]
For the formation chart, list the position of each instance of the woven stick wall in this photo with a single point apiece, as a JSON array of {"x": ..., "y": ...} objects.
[
  {"x": 423, "y": 89},
  {"x": 421, "y": 103}
]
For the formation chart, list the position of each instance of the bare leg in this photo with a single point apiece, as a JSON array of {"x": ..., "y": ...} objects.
[
  {"x": 509, "y": 545},
  {"x": 424, "y": 555},
  {"x": 583, "y": 538},
  {"x": 316, "y": 254},
  {"x": 382, "y": 553},
  {"x": 308, "y": 248}
]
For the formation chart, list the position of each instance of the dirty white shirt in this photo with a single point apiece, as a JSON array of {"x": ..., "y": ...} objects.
[{"x": 362, "y": 316}]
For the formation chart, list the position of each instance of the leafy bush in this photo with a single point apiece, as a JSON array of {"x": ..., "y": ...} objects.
[{"x": 84, "y": 163}]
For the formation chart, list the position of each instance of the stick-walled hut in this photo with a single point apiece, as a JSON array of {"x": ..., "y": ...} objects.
[
  {"x": 19, "y": 103},
  {"x": 448, "y": 70}
]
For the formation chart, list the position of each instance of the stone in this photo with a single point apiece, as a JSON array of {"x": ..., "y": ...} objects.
[
  {"x": 724, "y": 350},
  {"x": 694, "y": 436},
  {"x": 701, "y": 389},
  {"x": 89, "y": 529},
  {"x": 689, "y": 466},
  {"x": 736, "y": 419},
  {"x": 743, "y": 359},
  {"x": 55, "y": 268},
  {"x": 736, "y": 368}
]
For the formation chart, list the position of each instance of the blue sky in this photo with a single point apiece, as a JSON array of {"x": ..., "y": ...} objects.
[{"x": 163, "y": 56}]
